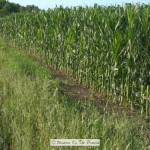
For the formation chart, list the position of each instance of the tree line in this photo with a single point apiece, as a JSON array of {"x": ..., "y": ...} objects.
[{"x": 7, "y": 8}]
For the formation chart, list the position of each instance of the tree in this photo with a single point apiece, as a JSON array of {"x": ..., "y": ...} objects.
[
  {"x": 7, "y": 8},
  {"x": 2, "y": 3},
  {"x": 30, "y": 8}
]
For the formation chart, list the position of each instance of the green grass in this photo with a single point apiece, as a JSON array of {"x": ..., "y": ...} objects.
[{"x": 33, "y": 110}]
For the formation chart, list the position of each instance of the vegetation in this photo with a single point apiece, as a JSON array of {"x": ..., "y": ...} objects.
[
  {"x": 7, "y": 8},
  {"x": 33, "y": 111},
  {"x": 105, "y": 48}
]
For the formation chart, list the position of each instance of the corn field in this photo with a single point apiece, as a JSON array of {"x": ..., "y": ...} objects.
[{"x": 104, "y": 48}]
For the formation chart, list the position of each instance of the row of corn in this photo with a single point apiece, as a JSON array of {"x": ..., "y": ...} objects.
[{"x": 104, "y": 48}]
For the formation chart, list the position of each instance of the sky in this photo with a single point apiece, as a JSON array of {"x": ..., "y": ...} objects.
[{"x": 45, "y": 4}]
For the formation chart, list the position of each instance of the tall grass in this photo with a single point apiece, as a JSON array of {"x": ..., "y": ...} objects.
[{"x": 105, "y": 48}]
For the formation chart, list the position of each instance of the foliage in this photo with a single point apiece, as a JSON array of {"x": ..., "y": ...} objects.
[{"x": 7, "y": 8}]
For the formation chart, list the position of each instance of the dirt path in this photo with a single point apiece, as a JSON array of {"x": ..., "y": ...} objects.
[{"x": 72, "y": 87}]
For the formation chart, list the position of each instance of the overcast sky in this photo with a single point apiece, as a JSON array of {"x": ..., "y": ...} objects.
[{"x": 45, "y": 4}]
